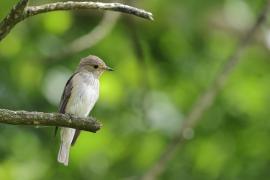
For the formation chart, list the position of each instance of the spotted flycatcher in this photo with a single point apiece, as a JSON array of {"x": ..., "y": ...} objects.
[{"x": 79, "y": 97}]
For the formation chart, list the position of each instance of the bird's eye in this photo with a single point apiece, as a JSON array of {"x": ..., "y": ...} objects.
[{"x": 95, "y": 66}]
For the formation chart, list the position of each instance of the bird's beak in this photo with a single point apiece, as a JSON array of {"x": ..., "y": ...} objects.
[{"x": 107, "y": 68}]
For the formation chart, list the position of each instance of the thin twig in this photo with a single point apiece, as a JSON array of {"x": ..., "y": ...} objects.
[
  {"x": 48, "y": 119},
  {"x": 21, "y": 11},
  {"x": 205, "y": 101},
  {"x": 71, "y": 5}
]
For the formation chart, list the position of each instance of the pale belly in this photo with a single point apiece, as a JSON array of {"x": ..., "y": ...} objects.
[{"x": 82, "y": 99}]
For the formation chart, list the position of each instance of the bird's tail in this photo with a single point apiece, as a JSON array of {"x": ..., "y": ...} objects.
[
  {"x": 67, "y": 135},
  {"x": 63, "y": 153}
]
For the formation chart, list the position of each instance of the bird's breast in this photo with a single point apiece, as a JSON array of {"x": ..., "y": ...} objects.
[{"x": 83, "y": 97}]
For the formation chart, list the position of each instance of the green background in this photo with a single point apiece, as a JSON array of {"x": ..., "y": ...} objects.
[{"x": 161, "y": 68}]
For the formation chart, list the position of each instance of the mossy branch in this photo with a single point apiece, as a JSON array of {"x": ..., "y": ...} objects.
[{"x": 48, "y": 119}]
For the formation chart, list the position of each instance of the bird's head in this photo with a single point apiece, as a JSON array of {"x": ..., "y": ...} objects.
[{"x": 93, "y": 64}]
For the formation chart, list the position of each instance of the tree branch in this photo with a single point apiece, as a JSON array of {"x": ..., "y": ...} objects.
[
  {"x": 205, "y": 101},
  {"x": 14, "y": 16},
  {"x": 21, "y": 11},
  {"x": 48, "y": 119},
  {"x": 70, "y": 5}
]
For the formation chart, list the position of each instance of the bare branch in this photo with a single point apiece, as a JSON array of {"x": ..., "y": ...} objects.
[
  {"x": 14, "y": 16},
  {"x": 48, "y": 119},
  {"x": 21, "y": 11},
  {"x": 70, "y": 5},
  {"x": 205, "y": 101}
]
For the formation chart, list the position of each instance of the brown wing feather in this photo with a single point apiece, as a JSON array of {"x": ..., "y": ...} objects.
[
  {"x": 63, "y": 103},
  {"x": 64, "y": 99},
  {"x": 66, "y": 95},
  {"x": 77, "y": 133}
]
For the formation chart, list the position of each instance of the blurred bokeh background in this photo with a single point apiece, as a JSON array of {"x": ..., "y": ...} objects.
[{"x": 161, "y": 67}]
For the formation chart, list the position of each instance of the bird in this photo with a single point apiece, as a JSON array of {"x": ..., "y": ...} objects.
[{"x": 80, "y": 94}]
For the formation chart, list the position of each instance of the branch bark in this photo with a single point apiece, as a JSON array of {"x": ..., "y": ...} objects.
[
  {"x": 205, "y": 101},
  {"x": 21, "y": 11},
  {"x": 48, "y": 119},
  {"x": 14, "y": 16}
]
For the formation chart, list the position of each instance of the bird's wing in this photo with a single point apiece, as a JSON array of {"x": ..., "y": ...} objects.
[
  {"x": 65, "y": 97},
  {"x": 76, "y": 135}
]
